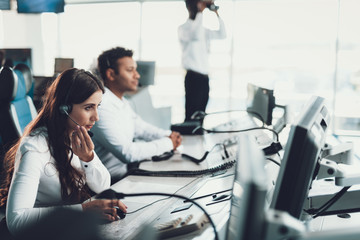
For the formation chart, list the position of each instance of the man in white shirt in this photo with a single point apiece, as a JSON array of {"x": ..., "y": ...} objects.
[
  {"x": 119, "y": 125},
  {"x": 195, "y": 43}
]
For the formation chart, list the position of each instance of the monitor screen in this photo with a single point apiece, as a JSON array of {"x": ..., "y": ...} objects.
[
  {"x": 247, "y": 215},
  {"x": 61, "y": 64},
  {"x": 300, "y": 161},
  {"x": 261, "y": 101},
  {"x": 146, "y": 69},
  {"x": 13, "y": 56},
  {"x": 4, "y": 4},
  {"x": 40, "y": 6}
]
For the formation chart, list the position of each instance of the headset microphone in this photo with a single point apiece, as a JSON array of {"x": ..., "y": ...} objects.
[{"x": 63, "y": 109}]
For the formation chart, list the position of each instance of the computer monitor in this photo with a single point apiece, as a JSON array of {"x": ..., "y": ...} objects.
[
  {"x": 40, "y": 6},
  {"x": 4, "y": 4},
  {"x": 247, "y": 215},
  {"x": 300, "y": 161},
  {"x": 261, "y": 101},
  {"x": 61, "y": 64},
  {"x": 146, "y": 69},
  {"x": 13, "y": 56}
]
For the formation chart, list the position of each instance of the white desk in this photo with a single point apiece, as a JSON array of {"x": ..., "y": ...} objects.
[
  {"x": 125, "y": 228},
  {"x": 160, "y": 212}
]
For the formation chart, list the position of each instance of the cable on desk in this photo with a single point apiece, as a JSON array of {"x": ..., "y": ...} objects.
[
  {"x": 197, "y": 161},
  {"x": 274, "y": 161},
  {"x": 318, "y": 212},
  {"x": 210, "y": 194},
  {"x": 111, "y": 194},
  {"x": 274, "y": 147},
  {"x": 199, "y": 115},
  {"x": 159, "y": 200},
  {"x": 236, "y": 131}
]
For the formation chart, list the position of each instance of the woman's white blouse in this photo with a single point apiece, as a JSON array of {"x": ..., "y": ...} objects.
[{"x": 35, "y": 189}]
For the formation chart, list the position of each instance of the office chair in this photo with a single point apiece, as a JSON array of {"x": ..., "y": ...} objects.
[
  {"x": 16, "y": 107},
  {"x": 29, "y": 80}
]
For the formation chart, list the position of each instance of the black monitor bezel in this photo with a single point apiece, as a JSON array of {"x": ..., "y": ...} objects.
[
  {"x": 247, "y": 215},
  {"x": 146, "y": 69},
  {"x": 300, "y": 161},
  {"x": 261, "y": 101}
]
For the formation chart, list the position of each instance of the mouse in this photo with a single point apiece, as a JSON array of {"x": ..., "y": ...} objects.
[{"x": 120, "y": 213}]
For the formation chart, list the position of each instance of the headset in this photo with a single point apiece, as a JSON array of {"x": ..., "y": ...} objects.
[{"x": 67, "y": 108}]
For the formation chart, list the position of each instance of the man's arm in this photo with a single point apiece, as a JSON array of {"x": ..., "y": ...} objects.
[
  {"x": 116, "y": 132},
  {"x": 221, "y": 32}
]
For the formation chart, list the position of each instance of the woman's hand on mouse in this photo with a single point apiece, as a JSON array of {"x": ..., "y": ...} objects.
[{"x": 105, "y": 208}]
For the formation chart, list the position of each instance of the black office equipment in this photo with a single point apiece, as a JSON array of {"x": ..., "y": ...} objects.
[
  {"x": 162, "y": 157},
  {"x": 247, "y": 216},
  {"x": 146, "y": 69},
  {"x": 120, "y": 213},
  {"x": 182, "y": 173},
  {"x": 187, "y": 128},
  {"x": 261, "y": 101},
  {"x": 300, "y": 162},
  {"x": 14, "y": 56}
]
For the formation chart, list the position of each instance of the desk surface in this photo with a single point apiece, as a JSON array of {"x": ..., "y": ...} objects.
[
  {"x": 140, "y": 214},
  {"x": 162, "y": 206}
]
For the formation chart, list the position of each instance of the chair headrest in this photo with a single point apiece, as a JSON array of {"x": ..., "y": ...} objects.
[
  {"x": 8, "y": 84},
  {"x": 12, "y": 84},
  {"x": 26, "y": 72},
  {"x": 21, "y": 86}
]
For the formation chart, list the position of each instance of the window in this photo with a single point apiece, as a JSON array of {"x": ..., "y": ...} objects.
[{"x": 286, "y": 45}]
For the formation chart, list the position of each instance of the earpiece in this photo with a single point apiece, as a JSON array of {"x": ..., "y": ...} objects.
[{"x": 65, "y": 109}]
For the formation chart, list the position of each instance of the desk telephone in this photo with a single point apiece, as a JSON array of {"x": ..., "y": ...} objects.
[{"x": 183, "y": 173}]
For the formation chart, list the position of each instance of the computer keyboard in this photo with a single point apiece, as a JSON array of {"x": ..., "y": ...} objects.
[{"x": 181, "y": 225}]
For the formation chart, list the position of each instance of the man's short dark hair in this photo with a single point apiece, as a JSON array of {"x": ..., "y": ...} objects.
[{"x": 109, "y": 57}]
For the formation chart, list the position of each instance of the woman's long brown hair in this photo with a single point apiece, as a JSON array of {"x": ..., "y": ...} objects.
[{"x": 73, "y": 86}]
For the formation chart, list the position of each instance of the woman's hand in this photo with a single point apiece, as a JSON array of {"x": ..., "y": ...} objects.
[
  {"x": 105, "y": 208},
  {"x": 82, "y": 144}
]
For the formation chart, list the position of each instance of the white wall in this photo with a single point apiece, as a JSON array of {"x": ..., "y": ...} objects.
[{"x": 35, "y": 31}]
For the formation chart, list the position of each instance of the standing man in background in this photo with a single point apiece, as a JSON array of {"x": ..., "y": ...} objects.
[{"x": 195, "y": 43}]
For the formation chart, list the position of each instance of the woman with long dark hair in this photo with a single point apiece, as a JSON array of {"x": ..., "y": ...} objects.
[{"x": 53, "y": 165}]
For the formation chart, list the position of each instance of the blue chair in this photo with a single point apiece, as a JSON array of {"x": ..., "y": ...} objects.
[
  {"x": 16, "y": 106},
  {"x": 29, "y": 80}
]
